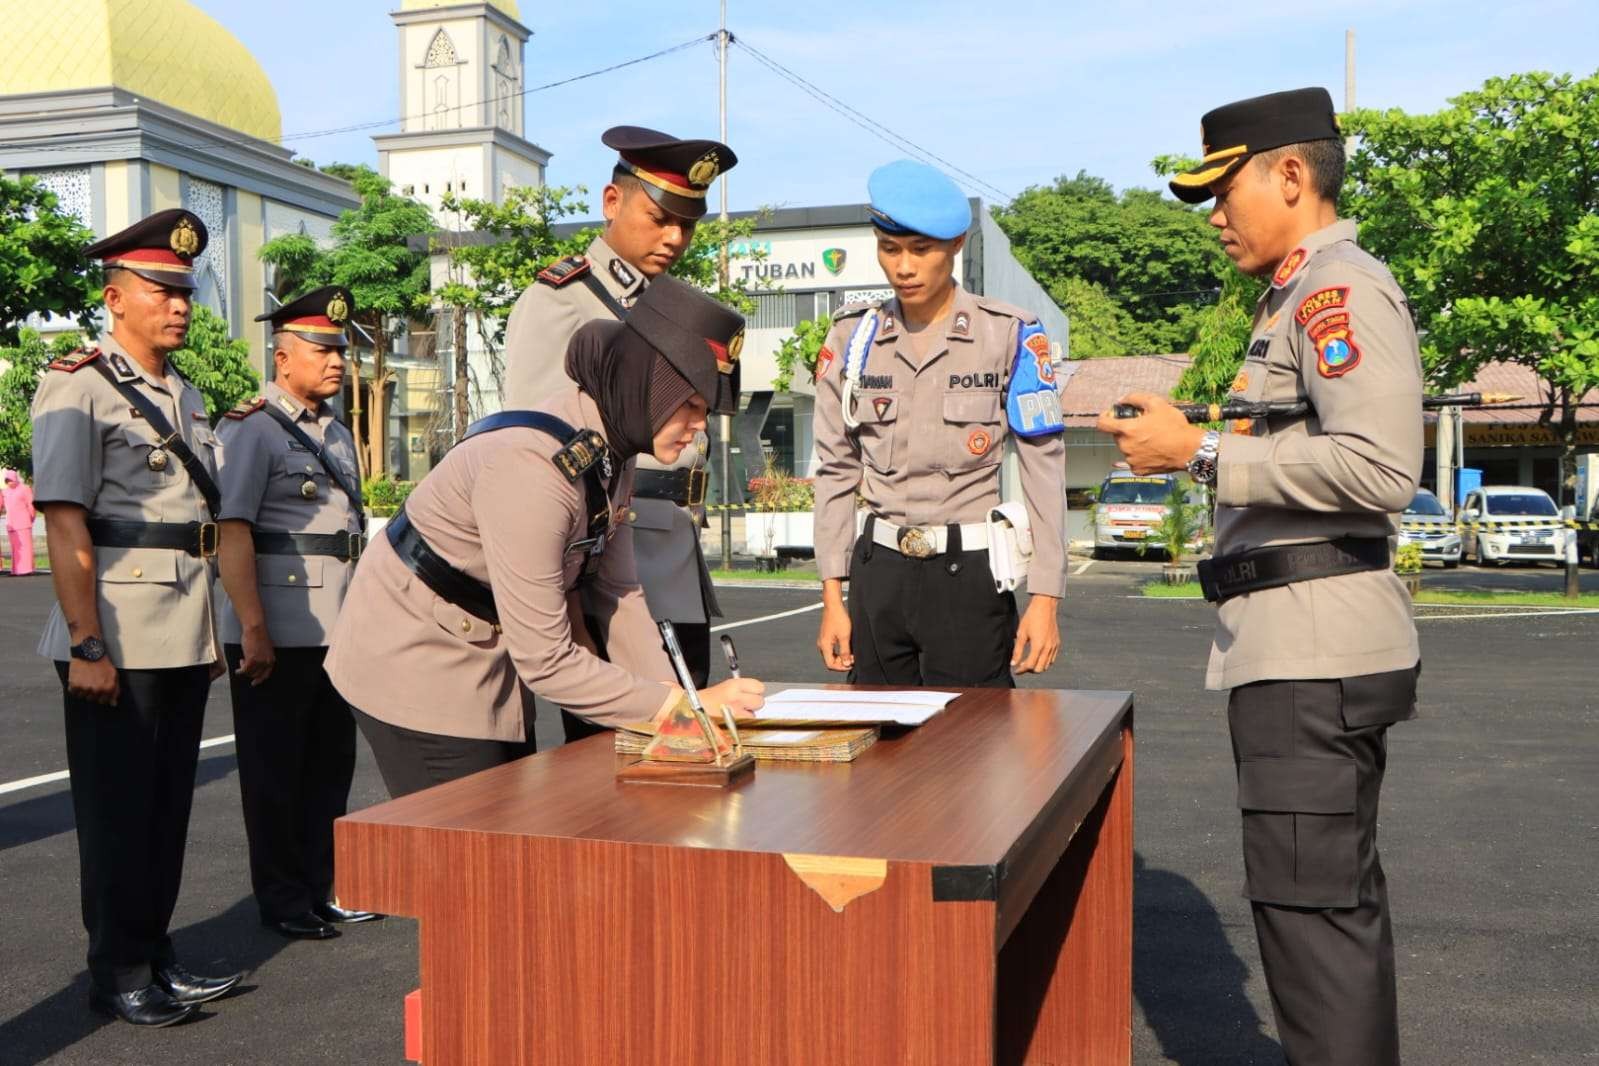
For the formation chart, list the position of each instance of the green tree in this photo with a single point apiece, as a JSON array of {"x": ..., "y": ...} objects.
[
  {"x": 799, "y": 350},
  {"x": 24, "y": 365},
  {"x": 701, "y": 263},
  {"x": 1487, "y": 212},
  {"x": 1222, "y": 338},
  {"x": 42, "y": 270},
  {"x": 373, "y": 257},
  {"x": 1155, "y": 259},
  {"x": 217, "y": 364}
]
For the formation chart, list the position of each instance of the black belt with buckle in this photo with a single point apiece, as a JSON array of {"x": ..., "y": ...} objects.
[
  {"x": 437, "y": 573},
  {"x": 686, "y": 488},
  {"x": 1227, "y": 576},
  {"x": 196, "y": 538},
  {"x": 345, "y": 547}
]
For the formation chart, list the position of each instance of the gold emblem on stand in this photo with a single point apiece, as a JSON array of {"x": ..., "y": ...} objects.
[
  {"x": 705, "y": 169},
  {"x": 185, "y": 240},
  {"x": 338, "y": 310},
  {"x": 157, "y": 460}
]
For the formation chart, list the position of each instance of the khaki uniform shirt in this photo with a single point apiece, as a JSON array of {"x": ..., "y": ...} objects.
[
  {"x": 263, "y": 471},
  {"x": 666, "y": 538},
  {"x": 91, "y": 448},
  {"x": 1333, "y": 329},
  {"x": 498, "y": 509},
  {"x": 932, "y": 436}
]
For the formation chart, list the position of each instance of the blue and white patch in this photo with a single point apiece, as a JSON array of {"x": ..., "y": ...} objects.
[{"x": 1032, "y": 406}]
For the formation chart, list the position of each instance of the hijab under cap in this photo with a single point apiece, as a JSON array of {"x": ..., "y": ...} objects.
[{"x": 635, "y": 388}]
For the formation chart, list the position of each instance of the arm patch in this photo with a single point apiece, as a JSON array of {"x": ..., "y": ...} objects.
[
  {"x": 75, "y": 361},
  {"x": 246, "y": 408},
  {"x": 564, "y": 270},
  {"x": 1032, "y": 403}
]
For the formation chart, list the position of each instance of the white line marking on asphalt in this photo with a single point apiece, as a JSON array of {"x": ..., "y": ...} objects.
[
  {"x": 767, "y": 617},
  {"x": 62, "y": 775},
  {"x": 1080, "y": 569},
  {"x": 1520, "y": 613}
]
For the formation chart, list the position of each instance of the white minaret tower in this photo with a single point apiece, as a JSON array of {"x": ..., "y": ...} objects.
[{"x": 461, "y": 84}]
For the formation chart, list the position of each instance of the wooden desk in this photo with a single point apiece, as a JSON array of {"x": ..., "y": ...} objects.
[{"x": 568, "y": 919}]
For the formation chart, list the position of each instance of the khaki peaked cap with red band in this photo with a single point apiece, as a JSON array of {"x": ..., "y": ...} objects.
[
  {"x": 319, "y": 316},
  {"x": 1234, "y": 132},
  {"x": 701, "y": 338},
  {"x": 161, "y": 248},
  {"x": 675, "y": 173}
]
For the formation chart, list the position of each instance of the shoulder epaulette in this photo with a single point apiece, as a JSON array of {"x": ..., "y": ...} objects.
[
  {"x": 246, "y": 408},
  {"x": 852, "y": 310},
  {"x": 75, "y": 361},
  {"x": 585, "y": 449},
  {"x": 564, "y": 270},
  {"x": 1000, "y": 307}
]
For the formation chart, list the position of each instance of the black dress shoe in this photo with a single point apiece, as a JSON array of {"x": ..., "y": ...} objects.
[
  {"x": 186, "y": 988},
  {"x": 305, "y": 926},
  {"x": 332, "y": 912},
  {"x": 150, "y": 1005}
]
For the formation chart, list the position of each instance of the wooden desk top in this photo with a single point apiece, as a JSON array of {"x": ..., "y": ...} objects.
[{"x": 965, "y": 791}]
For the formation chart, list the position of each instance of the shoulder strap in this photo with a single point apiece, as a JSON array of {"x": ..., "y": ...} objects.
[
  {"x": 170, "y": 439},
  {"x": 352, "y": 492},
  {"x": 597, "y": 287}
]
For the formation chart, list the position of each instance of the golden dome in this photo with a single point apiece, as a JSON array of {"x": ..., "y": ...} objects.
[
  {"x": 167, "y": 50},
  {"x": 507, "y": 6}
]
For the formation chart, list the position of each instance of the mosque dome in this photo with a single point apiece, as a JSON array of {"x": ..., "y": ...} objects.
[
  {"x": 165, "y": 50},
  {"x": 507, "y": 6}
]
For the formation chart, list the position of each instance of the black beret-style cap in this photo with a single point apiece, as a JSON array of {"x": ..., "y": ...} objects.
[
  {"x": 701, "y": 338},
  {"x": 676, "y": 173},
  {"x": 319, "y": 316},
  {"x": 1234, "y": 132},
  {"x": 161, "y": 248}
]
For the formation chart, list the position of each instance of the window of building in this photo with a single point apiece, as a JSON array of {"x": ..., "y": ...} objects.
[
  {"x": 441, "y": 51},
  {"x": 775, "y": 310}
]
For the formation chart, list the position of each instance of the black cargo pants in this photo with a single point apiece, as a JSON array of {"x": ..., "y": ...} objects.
[{"x": 1310, "y": 757}]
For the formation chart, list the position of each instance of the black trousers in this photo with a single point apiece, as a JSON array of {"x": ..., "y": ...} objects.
[
  {"x": 1311, "y": 757},
  {"x": 929, "y": 622},
  {"x": 695, "y": 640},
  {"x": 411, "y": 761},
  {"x": 132, "y": 769},
  {"x": 296, "y": 744}
]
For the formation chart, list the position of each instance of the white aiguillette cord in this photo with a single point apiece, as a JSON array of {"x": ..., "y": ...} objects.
[{"x": 860, "y": 343}]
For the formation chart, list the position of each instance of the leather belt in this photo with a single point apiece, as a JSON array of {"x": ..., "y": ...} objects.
[
  {"x": 1227, "y": 576},
  {"x": 437, "y": 573},
  {"x": 924, "y": 542},
  {"x": 686, "y": 488},
  {"x": 345, "y": 547},
  {"x": 197, "y": 538}
]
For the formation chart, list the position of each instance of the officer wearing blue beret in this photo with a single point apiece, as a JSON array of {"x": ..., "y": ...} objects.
[{"x": 916, "y": 398}]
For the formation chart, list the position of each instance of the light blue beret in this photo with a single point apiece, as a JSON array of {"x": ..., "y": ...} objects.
[{"x": 911, "y": 197}]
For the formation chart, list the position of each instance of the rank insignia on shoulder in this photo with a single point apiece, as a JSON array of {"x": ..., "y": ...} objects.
[
  {"x": 584, "y": 451},
  {"x": 75, "y": 361},
  {"x": 564, "y": 270},
  {"x": 246, "y": 408},
  {"x": 1290, "y": 266}
]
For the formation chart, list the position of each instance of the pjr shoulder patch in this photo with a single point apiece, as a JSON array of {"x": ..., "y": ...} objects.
[
  {"x": 1327, "y": 299},
  {"x": 564, "y": 270}
]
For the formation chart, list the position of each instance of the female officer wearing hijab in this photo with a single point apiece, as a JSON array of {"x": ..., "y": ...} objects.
[{"x": 510, "y": 559}]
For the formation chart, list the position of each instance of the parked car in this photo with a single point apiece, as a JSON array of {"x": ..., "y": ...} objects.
[
  {"x": 1432, "y": 528},
  {"x": 1129, "y": 508},
  {"x": 1588, "y": 539},
  {"x": 1537, "y": 533}
]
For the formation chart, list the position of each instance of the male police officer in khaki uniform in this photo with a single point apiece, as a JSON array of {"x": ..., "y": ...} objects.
[
  {"x": 914, "y": 403},
  {"x": 126, "y": 462},
  {"x": 291, "y": 532},
  {"x": 1315, "y": 638},
  {"x": 655, "y": 198}
]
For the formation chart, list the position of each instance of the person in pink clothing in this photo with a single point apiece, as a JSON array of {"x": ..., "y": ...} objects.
[{"x": 16, "y": 500}]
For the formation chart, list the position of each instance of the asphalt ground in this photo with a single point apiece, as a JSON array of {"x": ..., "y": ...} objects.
[{"x": 1489, "y": 833}]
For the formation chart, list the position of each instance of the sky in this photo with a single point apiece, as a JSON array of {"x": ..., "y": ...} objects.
[{"x": 1014, "y": 92}]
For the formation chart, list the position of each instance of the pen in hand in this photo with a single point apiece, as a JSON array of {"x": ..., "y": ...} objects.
[{"x": 731, "y": 655}]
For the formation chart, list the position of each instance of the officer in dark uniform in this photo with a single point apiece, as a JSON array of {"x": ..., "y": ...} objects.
[
  {"x": 292, "y": 529},
  {"x": 126, "y": 465},
  {"x": 1315, "y": 640}
]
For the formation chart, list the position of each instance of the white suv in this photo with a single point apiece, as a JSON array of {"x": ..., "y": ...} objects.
[{"x": 1535, "y": 531}]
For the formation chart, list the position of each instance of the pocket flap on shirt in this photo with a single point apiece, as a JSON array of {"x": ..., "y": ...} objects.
[
  {"x": 1297, "y": 786},
  {"x": 971, "y": 407},
  {"x": 137, "y": 566},
  {"x": 288, "y": 570},
  {"x": 467, "y": 628},
  {"x": 651, "y": 514}
]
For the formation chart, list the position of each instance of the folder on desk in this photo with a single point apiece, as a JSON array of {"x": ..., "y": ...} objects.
[{"x": 788, "y": 745}]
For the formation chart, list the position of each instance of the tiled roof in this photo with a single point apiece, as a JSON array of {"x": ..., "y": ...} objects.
[{"x": 1521, "y": 381}]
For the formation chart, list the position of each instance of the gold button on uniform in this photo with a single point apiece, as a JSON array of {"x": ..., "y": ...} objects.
[
  {"x": 138, "y": 571},
  {"x": 292, "y": 579},
  {"x": 466, "y": 625}
]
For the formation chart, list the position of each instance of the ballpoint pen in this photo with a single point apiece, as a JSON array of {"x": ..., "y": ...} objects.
[
  {"x": 674, "y": 652},
  {"x": 731, "y": 655}
]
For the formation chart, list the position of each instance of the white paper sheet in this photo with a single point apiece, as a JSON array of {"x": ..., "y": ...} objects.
[{"x": 814, "y": 706}]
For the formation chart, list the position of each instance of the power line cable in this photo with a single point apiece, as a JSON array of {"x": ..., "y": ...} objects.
[{"x": 865, "y": 122}]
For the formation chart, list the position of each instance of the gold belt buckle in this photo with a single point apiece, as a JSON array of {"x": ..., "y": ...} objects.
[
  {"x": 699, "y": 480},
  {"x": 917, "y": 543},
  {"x": 210, "y": 535}
]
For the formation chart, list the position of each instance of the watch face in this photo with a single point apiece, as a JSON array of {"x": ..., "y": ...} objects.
[{"x": 91, "y": 650}]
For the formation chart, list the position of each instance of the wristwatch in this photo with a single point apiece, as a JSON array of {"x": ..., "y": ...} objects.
[
  {"x": 92, "y": 650},
  {"x": 1202, "y": 467}
]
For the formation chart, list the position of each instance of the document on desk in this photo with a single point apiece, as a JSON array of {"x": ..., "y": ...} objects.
[{"x": 834, "y": 707}]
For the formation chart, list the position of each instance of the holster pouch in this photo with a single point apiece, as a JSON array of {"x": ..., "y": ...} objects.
[{"x": 1010, "y": 545}]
